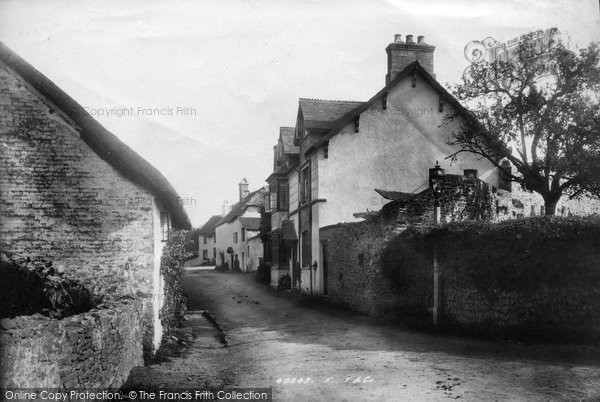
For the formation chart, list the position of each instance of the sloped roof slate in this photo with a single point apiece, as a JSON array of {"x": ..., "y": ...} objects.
[
  {"x": 250, "y": 223},
  {"x": 287, "y": 138},
  {"x": 209, "y": 227},
  {"x": 254, "y": 198},
  {"x": 319, "y": 113}
]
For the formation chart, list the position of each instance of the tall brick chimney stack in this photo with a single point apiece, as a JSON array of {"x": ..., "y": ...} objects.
[
  {"x": 243, "y": 185},
  {"x": 401, "y": 54}
]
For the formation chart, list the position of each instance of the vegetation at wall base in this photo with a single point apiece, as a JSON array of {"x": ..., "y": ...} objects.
[
  {"x": 171, "y": 267},
  {"x": 284, "y": 283},
  {"x": 30, "y": 286}
]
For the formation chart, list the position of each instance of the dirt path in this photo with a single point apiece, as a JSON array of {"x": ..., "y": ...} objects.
[{"x": 272, "y": 337}]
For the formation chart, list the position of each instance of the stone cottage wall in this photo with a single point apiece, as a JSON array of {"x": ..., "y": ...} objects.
[
  {"x": 95, "y": 349},
  {"x": 59, "y": 200}
]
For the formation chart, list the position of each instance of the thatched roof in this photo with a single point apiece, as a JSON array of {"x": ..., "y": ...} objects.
[{"x": 104, "y": 143}]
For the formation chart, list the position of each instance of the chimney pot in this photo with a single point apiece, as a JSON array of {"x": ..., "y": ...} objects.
[
  {"x": 243, "y": 186},
  {"x": 401, "y": 54}
]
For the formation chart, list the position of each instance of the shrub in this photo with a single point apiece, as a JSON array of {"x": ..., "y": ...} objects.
[
  {"x": 284, "y": 283},
  {"x": 171, "y": 267},
  {"x": 263, "y": 274},
  {"x": 223, "y": 267},
  {"x": 30, "y": 286}
]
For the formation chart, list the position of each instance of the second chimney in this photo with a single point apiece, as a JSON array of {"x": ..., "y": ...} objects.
[
  {"x": 400, "y": 54},
  {"x": 243, "y": 185}
]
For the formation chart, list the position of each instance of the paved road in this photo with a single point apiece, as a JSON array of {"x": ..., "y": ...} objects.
[{"x": 273, "y": 337}]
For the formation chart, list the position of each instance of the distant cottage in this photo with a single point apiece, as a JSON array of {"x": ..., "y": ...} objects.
[
  {"x": 207, "y": 240},
  {"x": 237, "y": 244},
  {"x": 73, "y": 192}
]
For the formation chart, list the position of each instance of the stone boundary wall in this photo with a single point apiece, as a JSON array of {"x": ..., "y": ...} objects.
[
  {"x": 355, "y": 279},
  {"x": 565, "y": 310},
  {"x": 95, "y": 349},
  {"x": 569, "y": 312}
]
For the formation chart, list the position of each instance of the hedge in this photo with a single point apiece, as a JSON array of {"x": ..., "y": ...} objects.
[{"x": 521, "y": 254}]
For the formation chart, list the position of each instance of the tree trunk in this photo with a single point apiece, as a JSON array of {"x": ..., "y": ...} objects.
[{"x": 550, "y": 202}]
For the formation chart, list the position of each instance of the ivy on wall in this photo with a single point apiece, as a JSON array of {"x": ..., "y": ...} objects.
[{"x": 171, "y": 267}]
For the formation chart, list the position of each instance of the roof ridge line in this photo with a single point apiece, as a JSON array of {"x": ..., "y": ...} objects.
[{"x": 331, "y": 100}]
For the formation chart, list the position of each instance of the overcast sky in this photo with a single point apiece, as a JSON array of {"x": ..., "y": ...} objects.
[{"x": 228, "y": 74}]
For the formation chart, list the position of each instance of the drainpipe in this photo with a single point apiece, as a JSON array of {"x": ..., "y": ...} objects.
[
  {"x": 436, "y": 269},
  {"x": 314, "y": 267}
]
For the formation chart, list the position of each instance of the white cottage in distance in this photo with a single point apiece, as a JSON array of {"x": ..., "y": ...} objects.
[{"x": 236, "y": 234}]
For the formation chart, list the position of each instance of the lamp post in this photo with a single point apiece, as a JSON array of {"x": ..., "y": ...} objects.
[{"x": 436, "y": 179}]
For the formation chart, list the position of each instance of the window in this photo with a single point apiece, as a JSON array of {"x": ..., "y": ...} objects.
[
  {"x": 273, "y": 197},
  {"x": 205, "y": 254},
  {"x": 305, "y": 185},
  {"x": 205, "y": 239},
  {"x": 214, "y": 253},
  {"x": 470, "y": 173},
  {"x": 235, "y": 237},
  {"x": 282, "y": 195},
  {"x": 164, "y": 226},
  {"x": 267, "y": 203},
  {"x": 305, "y": 248},
  {"x": 243, "y": 234}
]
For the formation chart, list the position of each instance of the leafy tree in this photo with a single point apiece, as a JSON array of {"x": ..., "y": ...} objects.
[{"x": 539, "y": 108}]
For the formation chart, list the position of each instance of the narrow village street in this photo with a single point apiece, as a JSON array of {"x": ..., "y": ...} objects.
[{"x": 269, "y": 338}]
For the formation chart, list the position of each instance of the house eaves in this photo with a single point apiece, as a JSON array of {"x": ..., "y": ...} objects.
[{"x": 411, "y": 69}]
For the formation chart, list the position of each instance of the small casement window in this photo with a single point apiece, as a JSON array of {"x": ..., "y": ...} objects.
[
  {"x": 305, "y": 185},
  {"x": 205, "y": 254},
  {"x": 235, "y": 238},
  {"x": 164, "y": 226},
  {"x": 470, "y": 173},
  {"x": 282, "y": 195},
  {"x": 243, "y": 234},
  {"x": 205, "y": 239}
]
